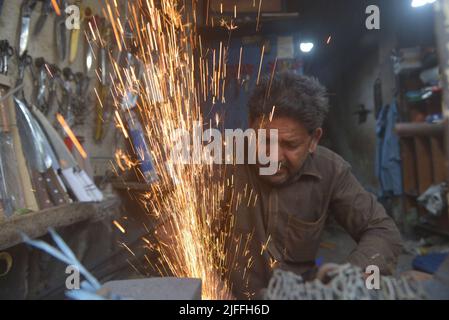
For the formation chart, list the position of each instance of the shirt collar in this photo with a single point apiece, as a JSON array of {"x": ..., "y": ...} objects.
[{"x": 309, "y": 168}]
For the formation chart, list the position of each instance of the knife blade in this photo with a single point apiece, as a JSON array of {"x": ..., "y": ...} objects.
[
  {"x": 79, "y": 182},
  {"x": 45, "y": 12},
  {"x": 45, "y": 177},
  {"x": 25, "y": 19},
  {"x": 60, "y": 34},
  {"x": 90, "y": 21}
]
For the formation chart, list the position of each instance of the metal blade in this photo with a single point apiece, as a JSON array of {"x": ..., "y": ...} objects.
[
  {"x": 46, "y": 9},
  {"x": 1, "y": 6},
  {"x": 89, "y": 58},
  {"x": 65, "y": 157},
  {"x": 34, "y": 141},
  {"x": 39, "y": 25},
  {"x": 24, "y": 34},
  {"x": 61, "y": 37}
]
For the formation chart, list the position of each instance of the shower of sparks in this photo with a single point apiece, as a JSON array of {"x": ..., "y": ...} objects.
[{"x": 171, "y": 76}]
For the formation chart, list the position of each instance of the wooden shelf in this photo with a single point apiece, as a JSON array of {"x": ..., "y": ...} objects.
[
  {"x": 419, "y": 129},
  {"x": 36, "y": 224}
]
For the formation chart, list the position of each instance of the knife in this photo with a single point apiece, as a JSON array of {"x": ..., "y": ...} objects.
[
  {"x": 49, "y": 189},
  {"x": 25, "y": 19},
  {"x": 90, "y": 21},
  {"x": 34, "y": 152},
  {"x": 103, "y": 90},
  {"x": 74, "y": 36},
  {"x": 11, "y": 191},
  {"x": 60, "y": 33},
  {"x": 46, "y": 9},
  {"x": 76, "y": 179}
]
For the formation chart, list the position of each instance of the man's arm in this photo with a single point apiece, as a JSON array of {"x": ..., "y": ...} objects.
[{"x": 365, "y": 219}]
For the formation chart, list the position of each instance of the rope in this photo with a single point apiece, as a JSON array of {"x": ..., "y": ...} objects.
[{"x": 347, "y": 283}]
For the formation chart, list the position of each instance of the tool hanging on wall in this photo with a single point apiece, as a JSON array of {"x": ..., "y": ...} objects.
[
  {"x": 102, "y": 106},
  {"x": 76, "y": 179},
  {"x": 54, "y": 81},
  {"x": 81, "y": 93},
  {"x": 46, "y": 10},
  {"x": 40, "y": 157},
  {"x": 11, "y": 195},
  {"x": 41, "y": 101},
  {"x": 75, "y": 35},
  {"x": 6, "y": 52},
  {"x": 50, "y": 189},
  {"x": 61, "y": 32},
  {"x": 1, "y": 6},
  {"x": 90, "y": 24},
  {"x": 137, "y": 133},
  {"x": 68, "y": 96},
  {"x": 25, "y": 21}
]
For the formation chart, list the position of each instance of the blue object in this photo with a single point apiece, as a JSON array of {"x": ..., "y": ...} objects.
[
  {"x": 319, "y": 261},
  {"x": 89, "y": 287},
  {"x": 429, "y": 263},
  {"x": 388, "y": 155}
]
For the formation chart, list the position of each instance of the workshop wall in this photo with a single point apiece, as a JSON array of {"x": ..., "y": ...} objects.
[
  {"x": 356, "y": 88},
  {"x": 44, "y": 46}
]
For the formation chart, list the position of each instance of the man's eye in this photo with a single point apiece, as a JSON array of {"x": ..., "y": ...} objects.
[{"x": 292, "y": 145}]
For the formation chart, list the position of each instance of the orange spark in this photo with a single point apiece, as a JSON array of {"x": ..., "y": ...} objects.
[{"x": 71, "y": 135}]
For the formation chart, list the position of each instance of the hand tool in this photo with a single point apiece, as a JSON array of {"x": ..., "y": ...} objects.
[
  {"x": 37, "y": 159},
  {"x": 46, "y": 10},
  {"x": 11, "y": 194},
  {"x": 76, "y": 179},
  {"x": 81, "y": 95},
  {"x": 60, "y": 33},
  {"x": 41, "y": 85},
  {"x": 48, "y": 187},
  {"x": 25, "y": 20},
  {"x": 136, "y": 131},
  {"x": 6, "y": 52},
  {"x": 91, "y": 22},
  {"x": 24, "y": 61},
  {"x": 103, "y": 90},
  {"x": 37, "y": 150},
  {"x": 1, "y": 6},
  {"x": 75, "y": 35},
  {"x": 68, "y": 96}
]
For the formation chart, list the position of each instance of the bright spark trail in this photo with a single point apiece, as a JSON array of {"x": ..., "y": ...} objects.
[{"x": 175, "y": 75}]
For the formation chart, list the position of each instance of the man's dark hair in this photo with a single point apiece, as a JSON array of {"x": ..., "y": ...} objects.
[{"x": 300, "y": 97}]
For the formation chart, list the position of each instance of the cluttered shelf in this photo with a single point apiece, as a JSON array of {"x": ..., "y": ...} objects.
[{"x": 36, "y": 224}]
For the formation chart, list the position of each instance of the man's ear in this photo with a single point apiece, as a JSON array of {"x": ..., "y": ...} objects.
[{"x": 316, "y": 136}]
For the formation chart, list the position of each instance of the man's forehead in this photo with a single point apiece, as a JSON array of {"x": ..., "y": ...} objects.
[{"x": 286, "y": 127}]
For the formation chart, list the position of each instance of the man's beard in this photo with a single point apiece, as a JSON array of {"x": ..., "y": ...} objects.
[{"x": 283, "y": 175}]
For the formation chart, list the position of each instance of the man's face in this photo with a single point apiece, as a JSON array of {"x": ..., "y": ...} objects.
[{"x": 294, "y": 144}]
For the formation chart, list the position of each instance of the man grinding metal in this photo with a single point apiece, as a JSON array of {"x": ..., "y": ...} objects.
[{"x": 312, "y": 183}]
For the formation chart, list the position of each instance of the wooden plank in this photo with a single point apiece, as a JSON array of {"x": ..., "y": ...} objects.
[
  {"x": 36, "y": 224},
  {"x": 438, "y": 160},
  {"x": 423, "y": 129},
  {"x": 424, "y": 163},
  {"x": 409, "y": 173}
]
